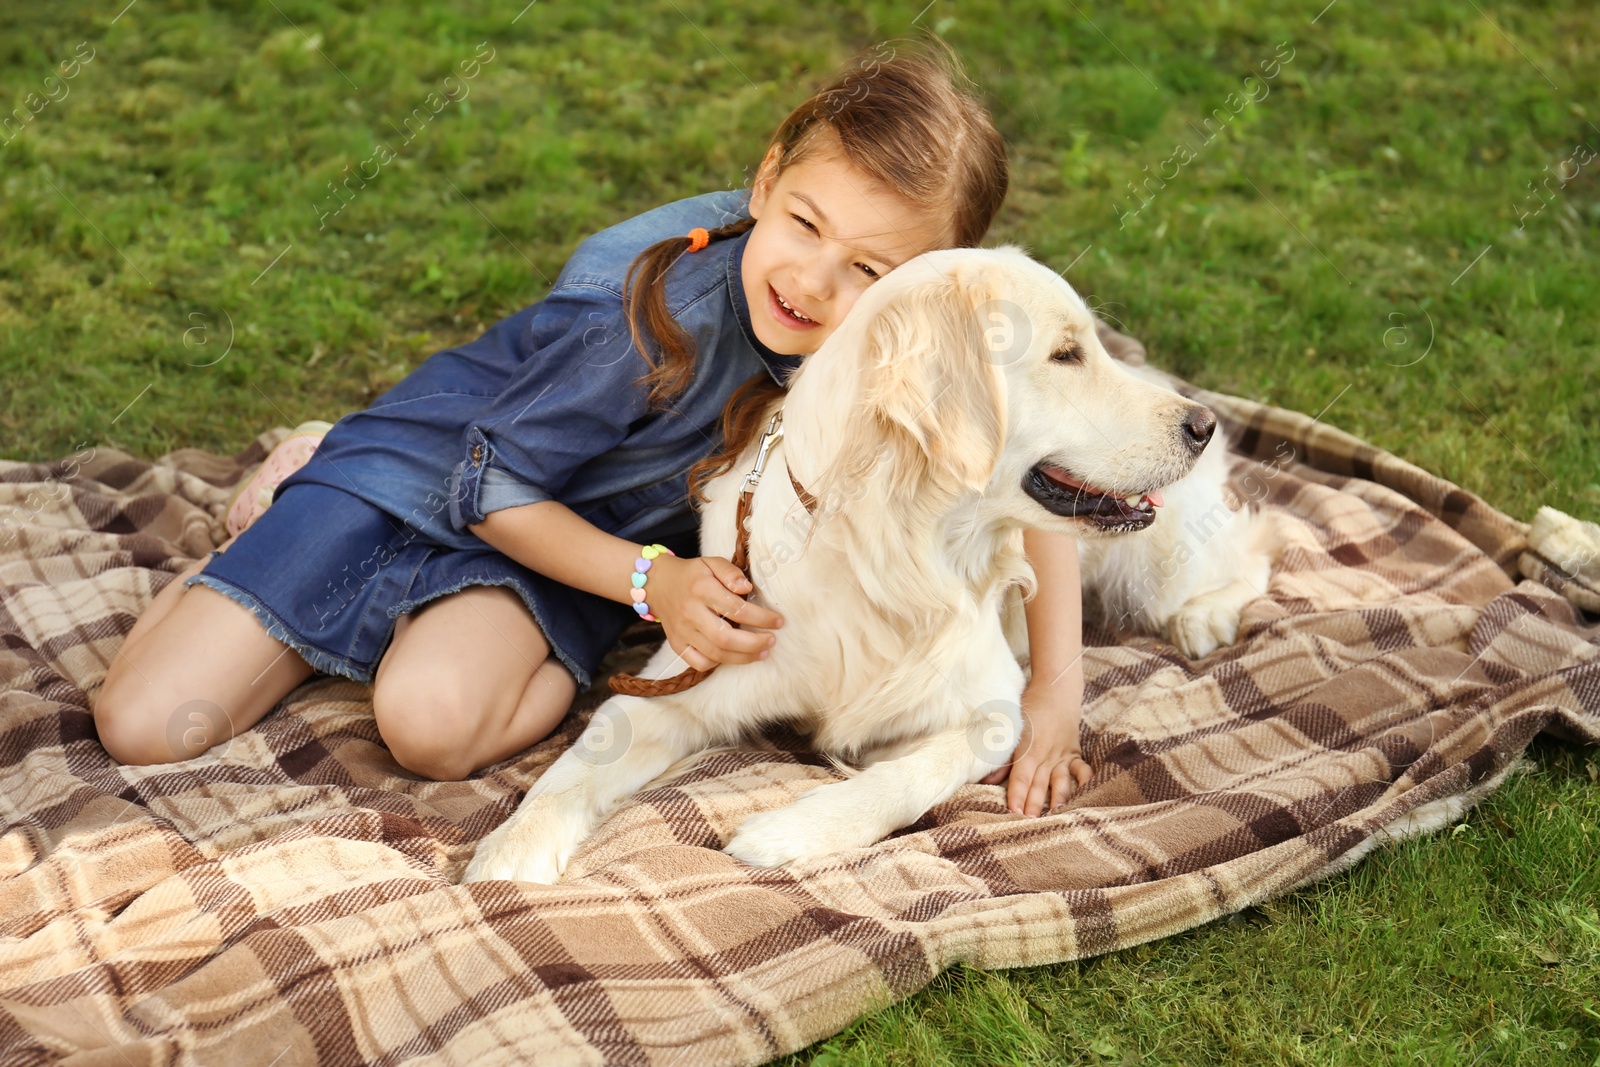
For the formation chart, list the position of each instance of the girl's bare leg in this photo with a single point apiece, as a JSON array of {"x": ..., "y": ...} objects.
[
  {"x": 468, "y": 680},
  {"x": 163, "y": 604},
  {"x": 195, "y": 670}
]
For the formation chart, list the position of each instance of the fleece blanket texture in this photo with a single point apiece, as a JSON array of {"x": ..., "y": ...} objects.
[{"x": 292, "y": 896}]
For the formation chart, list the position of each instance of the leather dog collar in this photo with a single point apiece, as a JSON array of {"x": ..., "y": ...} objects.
[{"x": 632, "y": 684}]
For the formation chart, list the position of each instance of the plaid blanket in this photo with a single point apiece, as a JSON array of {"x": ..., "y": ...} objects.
[{"x": 291, "y": 897}]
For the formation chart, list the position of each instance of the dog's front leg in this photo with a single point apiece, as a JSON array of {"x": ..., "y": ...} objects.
[
  {"x": 863, "y": 809},
  {"x": 628, "y": 742}
]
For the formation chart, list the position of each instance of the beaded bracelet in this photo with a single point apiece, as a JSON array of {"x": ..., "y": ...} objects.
[{"x": 641, "y": 568}]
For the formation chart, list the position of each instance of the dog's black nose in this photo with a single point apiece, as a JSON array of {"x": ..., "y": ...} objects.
[{"x": 1198, "y": 426}]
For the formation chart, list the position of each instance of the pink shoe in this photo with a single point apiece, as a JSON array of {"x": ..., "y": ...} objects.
[{"x": 254, "y": 496}]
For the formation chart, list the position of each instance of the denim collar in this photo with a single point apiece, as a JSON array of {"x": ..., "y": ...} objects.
[{"x": 778, "y": 365}]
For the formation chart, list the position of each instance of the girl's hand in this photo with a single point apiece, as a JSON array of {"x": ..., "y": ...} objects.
[
  {"x": 1048, "y": 765},
  {"x": 695, "y": 597}
]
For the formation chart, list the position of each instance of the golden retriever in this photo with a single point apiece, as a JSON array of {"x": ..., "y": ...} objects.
[{"x": 965, "y": 398}]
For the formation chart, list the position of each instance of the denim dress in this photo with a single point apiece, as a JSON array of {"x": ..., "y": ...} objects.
[{"x": 544, "y": 406}]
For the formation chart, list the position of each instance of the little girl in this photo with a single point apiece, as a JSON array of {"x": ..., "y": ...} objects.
[{"x": 468, "y": 543}]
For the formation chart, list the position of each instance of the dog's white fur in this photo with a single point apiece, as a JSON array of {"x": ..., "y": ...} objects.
[
  {"x": 1189, "y": 576},
  {"x": 904, "y": 647}
]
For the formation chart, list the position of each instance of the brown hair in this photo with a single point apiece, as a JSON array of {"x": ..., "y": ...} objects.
[{"x": 911, "y": 121}]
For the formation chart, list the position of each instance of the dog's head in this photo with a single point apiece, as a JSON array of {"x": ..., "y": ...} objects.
[{"x": 981, "y": 370}]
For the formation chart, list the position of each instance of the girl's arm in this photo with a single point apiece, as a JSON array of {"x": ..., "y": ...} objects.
[
  {"x": 693, "y": 597},
  {"x": 1049, "y": 759}
]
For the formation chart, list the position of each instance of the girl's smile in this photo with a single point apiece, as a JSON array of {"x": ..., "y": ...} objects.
[
  {"x": 824, "y": 232},
  {"x": 788, "y": 312}
]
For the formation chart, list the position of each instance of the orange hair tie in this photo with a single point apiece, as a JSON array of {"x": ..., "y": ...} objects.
[{"x": 699, "y": 237}]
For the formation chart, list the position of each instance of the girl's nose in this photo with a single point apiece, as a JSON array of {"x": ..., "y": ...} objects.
[{"x": 812, "y": 282}]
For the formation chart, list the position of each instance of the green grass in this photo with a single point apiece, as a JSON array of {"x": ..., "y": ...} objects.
[{"x": 1307, "y": 256}]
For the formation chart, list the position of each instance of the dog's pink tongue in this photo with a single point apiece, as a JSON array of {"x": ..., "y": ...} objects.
[{"x": 1155, "y": 498}]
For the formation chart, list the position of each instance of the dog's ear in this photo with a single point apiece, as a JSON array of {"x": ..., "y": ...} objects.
[{"x": 932, "y": 379}]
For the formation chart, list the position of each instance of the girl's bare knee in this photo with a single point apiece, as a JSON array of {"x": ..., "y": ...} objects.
[
  {"x": 428, "y": 752},
  {"x": 425, "y": 728},
  {"x": 433, "y": 763},
  {"x": 133, "y": 729},
  {"x": 159, "y": 703},
  {"x": 433, "y": 706},
  {"x": 144, "y": 721}
]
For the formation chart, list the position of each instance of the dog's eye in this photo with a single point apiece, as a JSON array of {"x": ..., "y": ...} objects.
[{"x": 1067, "y": 354}]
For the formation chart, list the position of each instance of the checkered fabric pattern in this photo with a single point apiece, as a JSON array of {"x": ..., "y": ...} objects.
[{"x": 292, "y": 896}]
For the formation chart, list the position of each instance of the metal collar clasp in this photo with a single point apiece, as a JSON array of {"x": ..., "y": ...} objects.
[{"x": 773, "y": 435}]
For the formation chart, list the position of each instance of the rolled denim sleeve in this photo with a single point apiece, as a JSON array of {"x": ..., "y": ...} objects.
[
  {"x": 498, "y": 490},
  {"x": 573, "y": 397}
]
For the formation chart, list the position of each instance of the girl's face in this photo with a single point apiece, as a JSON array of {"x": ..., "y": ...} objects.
[{"x": 824, "y": 232}]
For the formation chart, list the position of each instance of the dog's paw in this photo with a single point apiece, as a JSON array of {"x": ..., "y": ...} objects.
[
  {"x": 531, "y": 846},
  {"x": 806, "y": 829},
  {"x": 508, "y": 862},
  {"x": 1201, "y": 627},
  {"x": 771, "y": 839}
]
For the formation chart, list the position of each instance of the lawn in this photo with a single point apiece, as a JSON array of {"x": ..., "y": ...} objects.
[{"x": 1385, "y": 214}]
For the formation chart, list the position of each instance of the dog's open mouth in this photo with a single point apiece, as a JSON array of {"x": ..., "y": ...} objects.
[{"x": 1062, "y": 494}]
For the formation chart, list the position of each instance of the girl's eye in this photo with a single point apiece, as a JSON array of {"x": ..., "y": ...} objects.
[{"x": 806, "y": 223}]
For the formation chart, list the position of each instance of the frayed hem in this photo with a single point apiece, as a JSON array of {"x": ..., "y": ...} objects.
[
  {"x": 320, "y": 661},
  {"x": 582, "y": 676}
]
